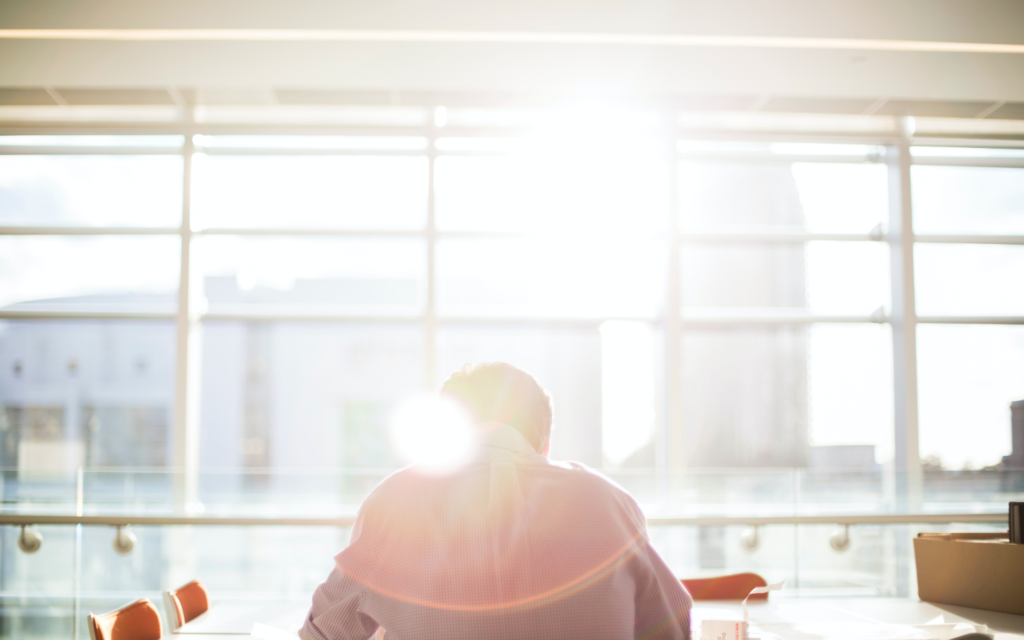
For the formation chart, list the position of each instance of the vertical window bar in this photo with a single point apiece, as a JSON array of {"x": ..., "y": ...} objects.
[
  {"x": 903, "y": 320},
  {"x": 180, "y": 458},
  {"x": 430, "y": 314},
  {"x": 668, "y": 455}
]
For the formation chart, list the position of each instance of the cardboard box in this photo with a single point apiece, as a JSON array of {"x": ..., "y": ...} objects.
[{"x": 977, "y": 570}]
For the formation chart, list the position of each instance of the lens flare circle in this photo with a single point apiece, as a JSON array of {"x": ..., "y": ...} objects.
[{"x": 433, "y": 433}]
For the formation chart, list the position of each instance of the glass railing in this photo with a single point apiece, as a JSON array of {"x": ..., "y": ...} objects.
[
  {"x": 702, "y": 523},
  {"x": 338, "y": 493}
]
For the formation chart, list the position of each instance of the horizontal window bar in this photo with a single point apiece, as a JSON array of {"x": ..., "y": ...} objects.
[
  {"x": 961, "y": 161},
  {"x": 766, "y": 236},
  {"x": 25, "y": 230},
  {"x": 65, "y": 313},
  {"x": 364, "y": 233},
  {"x": 339, "y": 143},
  {"x": 970, "y": 319},
  {"x": 574, "y": 237},
  {"x": 931, "y": 151},
  {"x": 975, "y": 143},
  {"x": 271, "y": 315},
  {"x": 968, "y": 239},
  {"x": 716, "y": 521},
  {"x": 692, "y": 317},
  {"x": 772, "y": 236},
  {"x": 778, "y": 158},
  {"x": 12, "y": 127},
  {"x": 487, "y": 153},
  {"x": 282, "y": 151},
  {"x": 689, "y": 318},
  {"x": 291, "y": 315},
  {"x": 88, "y": 151},
  {"x": 16, "y": 230},
  {"x": 581, "y": 322}
]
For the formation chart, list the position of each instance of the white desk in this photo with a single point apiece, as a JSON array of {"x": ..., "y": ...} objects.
[
  {"x": 853, "y": 610},
  {"x": 237, "y": 619}
]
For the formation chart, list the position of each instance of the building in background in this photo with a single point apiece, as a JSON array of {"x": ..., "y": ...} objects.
[
  {"x": 745, "y": 390},
  {"x": 85, "y": 393}
]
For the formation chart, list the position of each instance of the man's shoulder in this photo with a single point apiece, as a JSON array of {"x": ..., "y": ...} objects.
[
  {"x": 565, "y": 472},
  {"x": 589, "y": 479},
  {"x": 565, "y": 487},
  {"x": 398, "y": 482}
]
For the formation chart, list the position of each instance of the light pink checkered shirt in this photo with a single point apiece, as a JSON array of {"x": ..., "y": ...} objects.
[{"x": 512, "y": 546}]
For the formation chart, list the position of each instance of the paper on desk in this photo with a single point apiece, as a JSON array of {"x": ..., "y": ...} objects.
[
  {"x": 729, "y": 629},
  {"x": 775, "y": 586},
  {"x": 943, "y": 630},
  {"x": 840, "y": 631},
  {"x": 267, "y": 632}
]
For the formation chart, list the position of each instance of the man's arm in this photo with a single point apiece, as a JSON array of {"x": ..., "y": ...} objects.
[
  {"x": 662, "y": 604},
  {"x": 336, "y": 613}
]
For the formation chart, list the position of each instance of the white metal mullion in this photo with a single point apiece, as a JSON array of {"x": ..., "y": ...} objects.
[
  {"x": 970, "y": 320},
  {"x": 343, "y": 233},
  {"x": 181, "y": 458},
  {"x": 773, "y": 158},
  {"x": 669, "y": 458},
  {"x": 688, "y": 319},
  {"x": 430, "y": 310},
  {"x": 903, "y": 317},
  {"x": 960, "y": 161},
  {"x": 687, "y": 237},
  {"x": 967, "y": 142},
  {"x": 906, "y": 459},
  {"x": 293, "y": 151},
  {"x": 88, "y": 231},
  {"x": 770, "y": 237},
  {"x": 691, "y": 319},
  {"x": 936, "y": 238},
  {"x": 74, "y": 314},
  {"x": 71, "y": 150}
]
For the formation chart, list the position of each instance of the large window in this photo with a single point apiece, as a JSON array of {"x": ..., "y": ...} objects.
[
  {"x": 733, "y": 297},
  {"x": 969, "y": 216},
  {"x": 223, "y": 325}
]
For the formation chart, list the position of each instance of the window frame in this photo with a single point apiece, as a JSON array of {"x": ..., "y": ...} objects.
[{"x": 902, "y": 317}]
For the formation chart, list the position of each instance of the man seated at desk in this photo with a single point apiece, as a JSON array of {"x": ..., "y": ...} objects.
[{"x": 512, "y": 545}]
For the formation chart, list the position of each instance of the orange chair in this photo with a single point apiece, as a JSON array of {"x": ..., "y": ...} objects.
[
  {"x": 733, "y": 587},
  {"x": 138, "y": 621},
  {"x": 186, "y": 603}
]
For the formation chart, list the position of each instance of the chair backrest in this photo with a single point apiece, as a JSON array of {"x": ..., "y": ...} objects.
[
  {"x": 732, "y": 587},
  {"x": 138, "y": 621},
  {"x": 185, "y": 603}
]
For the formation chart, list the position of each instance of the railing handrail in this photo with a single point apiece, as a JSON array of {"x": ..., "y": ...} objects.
[{"x": 347, "y": 521}]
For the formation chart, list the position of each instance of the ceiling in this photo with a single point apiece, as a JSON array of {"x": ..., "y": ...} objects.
[{"x": 287, "y": 70}]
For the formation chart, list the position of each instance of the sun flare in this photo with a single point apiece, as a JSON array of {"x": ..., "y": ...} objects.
[{"x": 433, "y": 433}]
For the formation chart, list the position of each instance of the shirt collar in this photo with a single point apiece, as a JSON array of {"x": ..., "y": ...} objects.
[{"x": 500, "y": 440}]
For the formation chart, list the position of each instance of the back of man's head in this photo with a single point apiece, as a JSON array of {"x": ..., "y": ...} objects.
[{"x": 500, "y": 392}]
